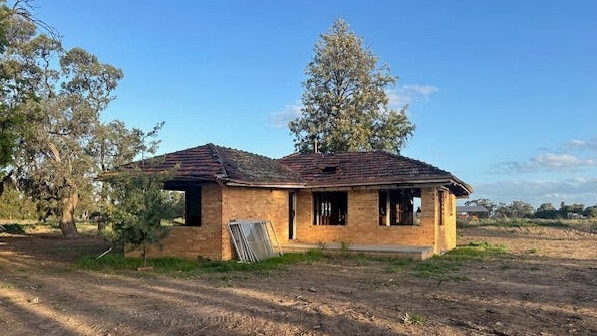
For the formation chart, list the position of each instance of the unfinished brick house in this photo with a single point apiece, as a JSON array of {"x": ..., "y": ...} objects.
[{"x": 373, "y": 202}]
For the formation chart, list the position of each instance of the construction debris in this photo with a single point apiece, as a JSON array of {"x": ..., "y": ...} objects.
[{"x": 253, "y": 239}]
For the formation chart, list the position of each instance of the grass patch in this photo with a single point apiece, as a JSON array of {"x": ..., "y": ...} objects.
[
  {"x": 177, "y": 267},
  {"x": 109, "y": 262},
  {"x": 444, "y": 267},
  {"x": 536, "y": 251},
  {"x": 529, "y": 222},
  {"x": 415, "y": 318},
  {"x": 264, "y": 265}
]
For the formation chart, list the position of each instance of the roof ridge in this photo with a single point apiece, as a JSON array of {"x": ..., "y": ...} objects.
[{"x": 216, "y": 154}]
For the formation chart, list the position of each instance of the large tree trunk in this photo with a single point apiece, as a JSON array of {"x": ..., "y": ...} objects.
[{"x": 67, "y": 221}]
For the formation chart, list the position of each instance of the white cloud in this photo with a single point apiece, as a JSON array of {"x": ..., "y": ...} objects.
[
  {"x": 406, "y": 94},
  {"x": 582, "y": 144},
  {"x": 281, "y": 118},
  {"x": 546, "y": 162},
  {"x": 576, "y": 142},
  {"x": 423, "y": 91},
  {"x": 397, "y": 101},
  {"x": 560, "y": 161}
]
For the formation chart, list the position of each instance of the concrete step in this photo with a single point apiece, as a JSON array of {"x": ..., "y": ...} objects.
[{"x": 397, "y": 251}]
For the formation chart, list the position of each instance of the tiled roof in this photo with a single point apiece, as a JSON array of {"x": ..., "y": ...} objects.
[
  {"x": 235, "y": 167},
  {"x": 215, "y": 163},
  {"x": 368, "y": 168}
]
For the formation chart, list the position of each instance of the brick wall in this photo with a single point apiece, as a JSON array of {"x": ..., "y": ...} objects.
[
  {"x": 220, "y": 205},
  {"x": 252, "y": 203},
  {"x": 195, "y": 241},
  {"x": 445, "y": 235},
  {"x": 362, "y": 222}
]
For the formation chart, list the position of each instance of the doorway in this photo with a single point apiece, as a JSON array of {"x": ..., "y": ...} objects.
[{"x": 292, "y": 215}]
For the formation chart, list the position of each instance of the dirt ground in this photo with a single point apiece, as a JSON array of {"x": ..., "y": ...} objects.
[{"x": 546, "y": 285}]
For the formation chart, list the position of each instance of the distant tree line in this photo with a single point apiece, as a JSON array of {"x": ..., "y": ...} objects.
[{"x": 520, "y": 209}]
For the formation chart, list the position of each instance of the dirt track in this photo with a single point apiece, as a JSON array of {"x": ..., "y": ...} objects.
[{"x": 546, "y": 285}]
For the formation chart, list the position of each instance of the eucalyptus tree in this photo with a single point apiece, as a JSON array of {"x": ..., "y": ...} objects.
[
  {"x": 546, "y": 210},
  {"x": 61, "y": 145},
  {"x": 345, "y": 104},
  {"x": 516, "y": 209},
  {"x": 8, "y": 100}
]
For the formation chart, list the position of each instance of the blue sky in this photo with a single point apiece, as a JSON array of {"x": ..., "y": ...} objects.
[{"x": 502, "y": 92}]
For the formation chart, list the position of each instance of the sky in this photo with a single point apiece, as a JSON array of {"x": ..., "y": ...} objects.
[{"x": 502, "y": 93}]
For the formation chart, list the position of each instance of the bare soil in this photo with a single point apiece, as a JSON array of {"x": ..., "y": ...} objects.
[{"x": 545, "y": 285}]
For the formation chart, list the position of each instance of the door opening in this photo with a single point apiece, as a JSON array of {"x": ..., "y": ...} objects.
[{"x": 292, "y": 215}]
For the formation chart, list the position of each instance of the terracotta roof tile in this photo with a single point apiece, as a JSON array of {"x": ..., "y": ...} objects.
[
  {"x": 249, "y": 168},
  {"x": 362, "y": 168},
  {"x": 231, "y": 166},
  {"x": 212, "y": 163}
]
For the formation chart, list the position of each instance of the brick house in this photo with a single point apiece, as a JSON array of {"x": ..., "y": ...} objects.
[{"x": 375, "y": 201}]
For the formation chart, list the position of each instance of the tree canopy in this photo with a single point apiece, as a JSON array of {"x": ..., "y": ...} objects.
[
  {"x": 520, "y": 209},
  {"x": 345, "y": 104},
  {"x": 55, "y": 143},
  {"x": 16, "y": 21}
]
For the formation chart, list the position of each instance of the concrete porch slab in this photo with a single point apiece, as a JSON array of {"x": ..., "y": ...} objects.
[{"x": 397, "y": 251}]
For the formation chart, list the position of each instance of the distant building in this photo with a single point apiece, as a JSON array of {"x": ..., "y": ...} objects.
[{"x": 472, "y": 212}]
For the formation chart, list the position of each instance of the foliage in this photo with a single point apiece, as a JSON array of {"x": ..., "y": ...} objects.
[
  {"x": 50, "y": 106},
  {"x": 139, "y": 205},
  {"x": 15, "y": 21},
  {"x": 12, "y": 228},
  {"x": 516, "y": 209},
  {"x": 184, "y": 267},
  {"x": 263, "y": 265},
  {"x": 408, "y": 318},
  {"x": 345, "y": 106},
  {"x": 581, "y": 224},
  {"x": 8, "y": 119},
  {"x": 345, "y": 246},
  {"x": 575, "y": 209},
  {"x": 109, "y": 263},
  {"x": 590, "y": 212},
  {"x": 443, "y": 267},
  {"x": 546, "y": 211},
  {"x": 519, "y": 209},
  {"x": 15, "y": 206}
]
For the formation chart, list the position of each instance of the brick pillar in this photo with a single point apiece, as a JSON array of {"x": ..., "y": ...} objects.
[{"x": 429, "y": 212}]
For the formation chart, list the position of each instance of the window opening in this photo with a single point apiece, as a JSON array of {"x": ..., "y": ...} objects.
[
  {"x": 193, "y": 206},
  {"x": 330, "y": 208},
  {"x": 396, "y": 207}
]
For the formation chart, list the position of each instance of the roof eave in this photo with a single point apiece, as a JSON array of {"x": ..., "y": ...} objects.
[
  {"x": 275, "y": 185},
  {"x": 465, "y": 189},
  {"x": 373, "y": 183}
]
